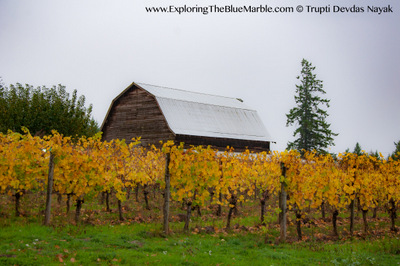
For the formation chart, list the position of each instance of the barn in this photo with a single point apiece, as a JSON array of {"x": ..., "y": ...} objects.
[{"x": 157, "y": 113}]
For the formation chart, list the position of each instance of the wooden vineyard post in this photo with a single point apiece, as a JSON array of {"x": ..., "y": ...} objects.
[
  {"x": 283, "y": 204},
  {"x": 393, "y": 216},
  {"x": 352, "y": 217},
  {"x": 79, "y": 203},
  {"x": 166, "y": 195},
  {"x": 49, "y": 189}
]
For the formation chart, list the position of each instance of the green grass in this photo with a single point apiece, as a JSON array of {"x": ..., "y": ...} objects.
[
  {"x": 100, "y": 239},
  {"x": 142, "y": 244}
]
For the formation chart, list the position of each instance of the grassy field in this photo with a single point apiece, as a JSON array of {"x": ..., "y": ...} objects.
[
  {"x": 100, "y": 239},
  {"x": 141, "y": 244}
]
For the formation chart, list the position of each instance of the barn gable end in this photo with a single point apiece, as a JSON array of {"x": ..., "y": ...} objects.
[
  {"x": 155, "y": 113},
  {"x": 135, "y": 113}
]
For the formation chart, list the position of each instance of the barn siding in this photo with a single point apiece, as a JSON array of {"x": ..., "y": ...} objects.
[
  {"x": 222, "y": 143},
  {"x": 136, "y": 114}
]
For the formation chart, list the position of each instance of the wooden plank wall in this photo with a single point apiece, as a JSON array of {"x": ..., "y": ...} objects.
[
  {"x": 136, "y": 114},
  {"x": 222, "y": 143}
]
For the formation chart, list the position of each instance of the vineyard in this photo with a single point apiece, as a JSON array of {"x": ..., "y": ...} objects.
[{"x": 196, "y": 179}]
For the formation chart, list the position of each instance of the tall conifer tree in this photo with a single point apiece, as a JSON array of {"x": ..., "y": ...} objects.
[
  {"x": 313, "y": 131},
  {"x": 396, "y": 154},
  {"x": 357, "y": 149}
]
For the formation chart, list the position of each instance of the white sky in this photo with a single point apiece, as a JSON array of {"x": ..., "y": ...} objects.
[{"x": 100, "y": 47}]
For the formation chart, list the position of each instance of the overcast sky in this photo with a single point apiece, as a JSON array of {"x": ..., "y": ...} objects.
[{"x": 100, "y": 47}]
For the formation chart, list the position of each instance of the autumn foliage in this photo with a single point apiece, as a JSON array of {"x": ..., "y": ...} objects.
[{"x": 200, "y": 176}]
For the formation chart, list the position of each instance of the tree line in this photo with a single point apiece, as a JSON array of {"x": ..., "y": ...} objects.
[{"x": 43, "y": 109}]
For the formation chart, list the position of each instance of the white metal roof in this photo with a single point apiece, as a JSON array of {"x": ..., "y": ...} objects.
[
  {"x": 199, "y": 114},
  {"x": 181, "y": 95}
]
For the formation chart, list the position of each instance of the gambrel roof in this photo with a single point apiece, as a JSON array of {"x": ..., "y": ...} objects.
[{"x": 205, "y": 115}]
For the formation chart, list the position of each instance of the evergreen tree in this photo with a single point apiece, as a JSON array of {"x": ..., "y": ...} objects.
[
  {"x": 375, "y": 154},
  {"x": 357, "y": 149},
  {"x": 396, "y": 154},
  {"x": 313, "y": 131},
  {"x": 42, "y": 110}
]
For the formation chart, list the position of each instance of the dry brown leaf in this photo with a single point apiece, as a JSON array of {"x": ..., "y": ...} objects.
[{"x": 59, "y": 257}]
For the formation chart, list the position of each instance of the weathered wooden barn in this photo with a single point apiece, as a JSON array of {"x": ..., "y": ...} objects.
[{"x": 156, "y": 113}]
